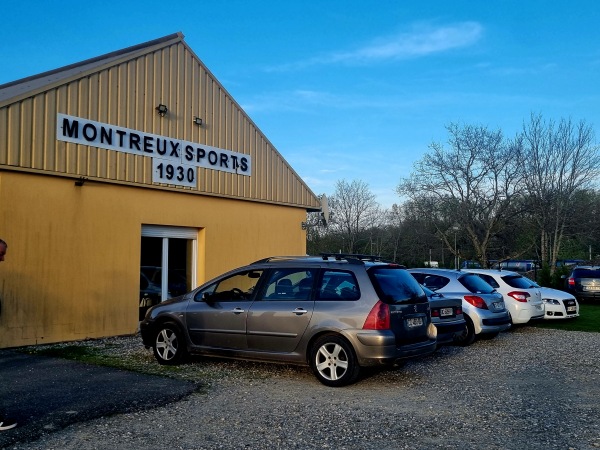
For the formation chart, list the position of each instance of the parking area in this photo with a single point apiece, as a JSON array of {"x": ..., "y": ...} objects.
[{"x": 527, "y": 388}]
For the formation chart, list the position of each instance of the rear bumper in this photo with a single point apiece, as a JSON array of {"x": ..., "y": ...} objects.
[
  {"x": 526, "y": 312},
  {"x": 447, "y": 331},
  {"x": 494, "y": 323},
  {"x": 373, "y": 349},
  {"x": 586, "y": 295}
]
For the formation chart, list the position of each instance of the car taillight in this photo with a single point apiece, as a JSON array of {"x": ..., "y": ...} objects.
[
  {"x": 435, "y": 313},
  {"x": 519, "y": 296},
  {"x": 476, "y": 301},
  {"x": 378, "y": 318},
  {"x": 458, "y": 311},
  {"x": 571, "y": 281}
]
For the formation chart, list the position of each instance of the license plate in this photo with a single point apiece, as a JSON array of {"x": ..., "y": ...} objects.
[
  {"x": 591, "y": 288},
  {"x": 414, "y": 322},
  {"x": 498, "y": 305},
  {"x": 571, "y": 308},
  {"x": 446, "y": 312}
]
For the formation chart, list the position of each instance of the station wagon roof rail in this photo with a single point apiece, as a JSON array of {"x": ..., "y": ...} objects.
[
  {"x": 354, "y": 258},
  {"x": 351, "y": 258}
]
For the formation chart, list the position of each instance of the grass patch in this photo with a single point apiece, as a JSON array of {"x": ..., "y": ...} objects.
[
  {"x": 84, "y": 354},
  {"x": 588, "y": 320},
  {"x": 122, "y": 353}
]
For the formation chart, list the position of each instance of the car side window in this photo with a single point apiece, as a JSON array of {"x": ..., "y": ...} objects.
[
  {"x": 290, "y": 284},
  {"x": 418, "y": 276},
  {"x": 338, "y": 285},
  {"x": 434, "y": 282},
  {"x": 236, "y": 287},
  {"x": 489, "y": 280}
]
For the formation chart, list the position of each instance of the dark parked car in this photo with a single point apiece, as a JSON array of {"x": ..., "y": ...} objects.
[
  {"x": 334, "y": 313},
  {"x": 584, "y": 283},
  {"x": 447, "y": 316}
]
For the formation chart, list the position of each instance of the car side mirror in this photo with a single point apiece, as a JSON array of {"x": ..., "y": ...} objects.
[{"x": 205, "y": 297}]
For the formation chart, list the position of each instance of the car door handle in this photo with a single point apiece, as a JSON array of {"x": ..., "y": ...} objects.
[
  {"x": 237, "y": 310},
  {"x": 299, "y": 311}
]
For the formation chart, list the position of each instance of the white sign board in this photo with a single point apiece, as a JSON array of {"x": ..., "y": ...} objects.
[{"x": 174, "y": 161}]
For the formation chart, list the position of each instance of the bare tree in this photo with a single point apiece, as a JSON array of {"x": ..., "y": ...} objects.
[
  {"x": 316, "y": 232},
  {"x": 471, "y": 185},
  {"x": 394, "y": 222},
  {"x": 557, "y": 160},
  {"x": 353, "y": 208}
]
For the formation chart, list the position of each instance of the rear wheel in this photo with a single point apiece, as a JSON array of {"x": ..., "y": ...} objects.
[
  {"x": 333, "y": 361},
  {"x": 169, "y": 346},
  {"x": 468, "y": 335}
]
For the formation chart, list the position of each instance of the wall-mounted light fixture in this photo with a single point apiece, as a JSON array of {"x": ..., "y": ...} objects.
[
  {"x": 80, "y": 181},
  {"x": 197, "y": 120},
  {"x": 162, "y": 110}
]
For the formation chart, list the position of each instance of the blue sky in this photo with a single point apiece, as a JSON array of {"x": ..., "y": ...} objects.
[{"x": 348, "y": 89}]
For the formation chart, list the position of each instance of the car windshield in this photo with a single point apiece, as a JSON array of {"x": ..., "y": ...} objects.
[
  {"x": 586, "y": 273},
  {"x": 475, "y": 284},
  {"x": 396, "y": 285},
  {"x": 517, "y": 281}
]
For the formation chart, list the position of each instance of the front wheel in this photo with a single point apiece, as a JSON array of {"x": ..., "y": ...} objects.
[
  {"x": 169, "y": 346},
  {"x": 333, "y": 361}
]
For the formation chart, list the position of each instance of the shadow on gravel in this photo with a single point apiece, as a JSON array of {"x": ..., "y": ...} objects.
[{"x": 46, "y": 394}]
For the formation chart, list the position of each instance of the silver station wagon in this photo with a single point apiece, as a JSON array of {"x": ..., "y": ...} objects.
[{"x": 335, "y": 313}]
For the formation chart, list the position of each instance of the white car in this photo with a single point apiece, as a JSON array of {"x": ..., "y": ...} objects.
[
  {"x": 559, "y": 304},
  {"x": 522, "y": 297}
]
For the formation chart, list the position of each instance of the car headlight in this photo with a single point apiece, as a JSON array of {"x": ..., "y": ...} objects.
[{"x": 551, "y": 301}]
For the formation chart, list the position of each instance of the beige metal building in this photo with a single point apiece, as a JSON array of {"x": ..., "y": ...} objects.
[{"x": 126, "y": 179}]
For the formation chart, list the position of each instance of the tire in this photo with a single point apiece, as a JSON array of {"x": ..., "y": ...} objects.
[
  {"x": 169, "y": 345},
  {"x": 467, "y": 337},
  {"x": 333, "y": 361}
]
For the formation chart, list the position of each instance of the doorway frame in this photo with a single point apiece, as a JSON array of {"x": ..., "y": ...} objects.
[{"x": 167, "y": 232}]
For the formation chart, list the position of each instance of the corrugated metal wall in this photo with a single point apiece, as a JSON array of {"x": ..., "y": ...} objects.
[{"x": 126, "y": 94}]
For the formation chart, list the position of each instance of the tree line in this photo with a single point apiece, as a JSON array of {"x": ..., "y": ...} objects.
[{"x": 481, "y": 197}]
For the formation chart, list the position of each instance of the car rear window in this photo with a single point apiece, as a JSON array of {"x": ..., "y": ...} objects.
[
  {"x": 475, "y": 284},
  {"x": 586, "y": 273},
  {"x": 396, "y": 285},
  {"x": 517, "y": 281}
]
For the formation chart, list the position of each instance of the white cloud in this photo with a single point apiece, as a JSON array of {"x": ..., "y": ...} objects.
[{"x": 421, "y": 40}]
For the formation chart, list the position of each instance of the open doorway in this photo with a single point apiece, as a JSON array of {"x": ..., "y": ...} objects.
[{"x": 167, "y": 264}]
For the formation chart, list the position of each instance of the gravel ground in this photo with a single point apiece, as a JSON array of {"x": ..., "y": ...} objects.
[{"x": 528, "y": 388}]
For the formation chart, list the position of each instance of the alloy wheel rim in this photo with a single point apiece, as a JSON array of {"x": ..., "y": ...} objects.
[
  {"x": 166, "y": 344},
  {"x": 331, "y": 361}
]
